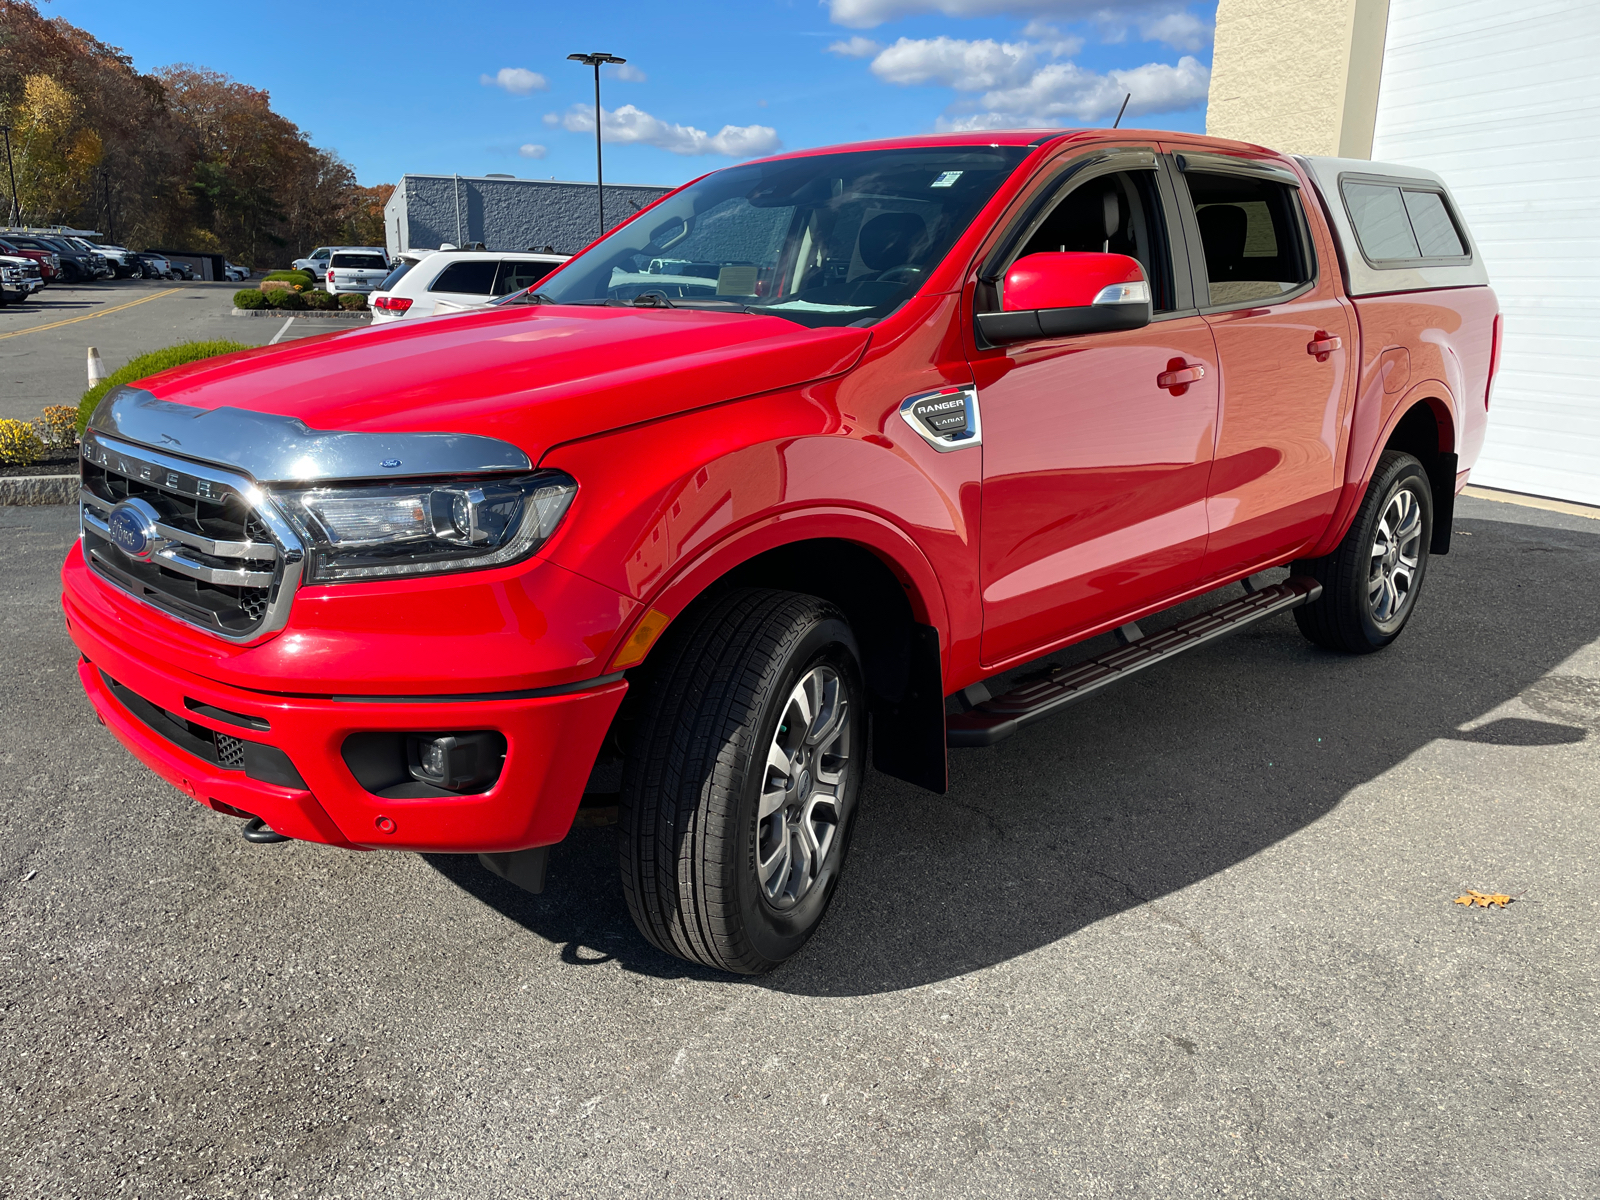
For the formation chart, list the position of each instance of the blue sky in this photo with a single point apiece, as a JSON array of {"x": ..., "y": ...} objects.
[{"x": 475, "y": 86}]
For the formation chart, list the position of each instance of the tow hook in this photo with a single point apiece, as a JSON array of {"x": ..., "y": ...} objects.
[{"x": 261, "y": 834}]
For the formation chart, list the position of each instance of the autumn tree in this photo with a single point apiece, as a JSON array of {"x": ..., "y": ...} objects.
[{"x": 182, "y": 158}]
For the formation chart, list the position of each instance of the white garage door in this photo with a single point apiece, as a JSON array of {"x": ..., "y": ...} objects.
[{"x": 1504, "y": 102}]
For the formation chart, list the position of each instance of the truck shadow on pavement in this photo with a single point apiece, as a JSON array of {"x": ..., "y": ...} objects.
[{"x": 1174, "y": 776}]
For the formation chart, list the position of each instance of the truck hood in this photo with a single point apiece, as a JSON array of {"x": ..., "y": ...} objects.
[{"x": 533, "y": 377}]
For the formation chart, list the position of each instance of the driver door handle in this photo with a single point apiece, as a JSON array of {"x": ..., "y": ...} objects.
[
  {"x": 1323, "y": 344},
  {"x": 1179, "y": 375}
]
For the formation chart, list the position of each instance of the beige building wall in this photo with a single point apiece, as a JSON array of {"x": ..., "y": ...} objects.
[{"x": 1298, "y": 75}]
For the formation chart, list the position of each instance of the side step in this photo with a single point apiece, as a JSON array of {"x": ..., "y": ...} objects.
[{"x": 997, "y": 719}]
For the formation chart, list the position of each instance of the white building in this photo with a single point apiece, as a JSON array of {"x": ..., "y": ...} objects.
[{"x": 1504, "y": 102}]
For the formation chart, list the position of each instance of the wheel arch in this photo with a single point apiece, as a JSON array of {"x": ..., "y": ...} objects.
[
  {"x": 1426, "y": 430},
  {"x": 877, "y": 576},
  {"x": 1422, "y": 423}
]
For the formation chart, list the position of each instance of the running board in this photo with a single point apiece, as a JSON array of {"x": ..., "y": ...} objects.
[{"x": 997, "y": 719}]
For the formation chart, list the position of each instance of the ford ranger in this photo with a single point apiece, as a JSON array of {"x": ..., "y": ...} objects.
[{"x": 784, "y": 472}]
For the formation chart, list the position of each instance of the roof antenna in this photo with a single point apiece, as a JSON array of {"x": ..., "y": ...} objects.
[{"x": 1122, "y": 110}]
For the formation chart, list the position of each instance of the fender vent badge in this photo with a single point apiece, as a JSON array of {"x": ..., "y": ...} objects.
[{"x": 946, "y": 419}]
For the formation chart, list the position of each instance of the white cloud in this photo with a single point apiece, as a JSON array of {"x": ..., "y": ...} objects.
[
  {"x": 519, "y": 81},
  {"x": 1168, "y": 21},
  {"x": 1180, "y": 30},
  {"x": 952, "y": 62},
  {"x": 1062, "y": 93},
  {"x": 865, "y": 14},
  {"x": 531, "y": 150},
  {"x": 856, "y": 47},
  {"x": 632, "y": 125},
  {"x": 628, "y": 73},
  {"x": 1030, "y": 84}
]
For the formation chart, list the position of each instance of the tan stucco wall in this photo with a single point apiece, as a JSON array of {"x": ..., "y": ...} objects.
[{"x": 1298, "y": 75}]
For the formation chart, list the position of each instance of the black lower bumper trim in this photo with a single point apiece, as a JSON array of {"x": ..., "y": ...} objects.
[{"x": 258, "y": 761}]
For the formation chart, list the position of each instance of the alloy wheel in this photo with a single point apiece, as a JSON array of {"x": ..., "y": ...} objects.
[
  {"x": 803, "y": 788},
  {"x": 1396, "y": 553}
]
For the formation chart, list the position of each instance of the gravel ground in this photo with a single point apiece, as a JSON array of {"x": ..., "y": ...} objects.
[{"x": 1193, "y": 938}]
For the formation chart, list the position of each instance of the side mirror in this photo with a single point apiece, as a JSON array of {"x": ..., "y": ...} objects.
[{"x": 1060, "y": 295}]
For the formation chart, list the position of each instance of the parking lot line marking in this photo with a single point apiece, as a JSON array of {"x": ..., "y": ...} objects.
[
  {"x": 281, "y": 332},
  {"x": 91, "y": 316}
]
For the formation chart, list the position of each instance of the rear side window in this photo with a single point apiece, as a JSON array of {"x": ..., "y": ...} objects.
[
  {"x": 1401, "y": 225},
  {"x": 468, "y": 278},
  {"x": 514, "y": 276},
  {"x": 1252, "y": 234},
  {"x": 360, "y": 262},
  {"x": 395, "y": 276},
  {"x": 1437, "y": 236}
]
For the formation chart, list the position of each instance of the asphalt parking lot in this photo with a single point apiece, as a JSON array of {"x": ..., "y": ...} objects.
[
  {"x": 44, "y": 342},
  {"x": 1195, "y": 938}
]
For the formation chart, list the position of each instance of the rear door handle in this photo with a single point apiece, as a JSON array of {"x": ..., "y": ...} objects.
[
  {"x": 1179, "y": 375},
  {"x": 1323, "y": 344}
]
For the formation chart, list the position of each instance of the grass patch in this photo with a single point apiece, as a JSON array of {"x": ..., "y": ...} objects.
[{"x": 149, "y": 364}]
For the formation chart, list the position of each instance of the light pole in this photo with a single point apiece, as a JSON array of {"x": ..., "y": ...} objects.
[
  {"x": 15, "y": 215},
  {"x": 596, "y": 60}
]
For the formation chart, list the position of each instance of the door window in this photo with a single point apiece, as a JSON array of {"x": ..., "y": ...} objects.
[
  {"x": 514, "y": 275},
  {"x": 466, "y": 278},
  {"x": 1252, "y": 234},
  {"x": 1119, "y": 213}
]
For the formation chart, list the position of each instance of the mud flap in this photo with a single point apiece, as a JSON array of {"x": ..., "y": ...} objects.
[
  {"x": 524, "y": 868},
  {"x": 1443, "y": 480},
  {"x": 908, "y": 734}
]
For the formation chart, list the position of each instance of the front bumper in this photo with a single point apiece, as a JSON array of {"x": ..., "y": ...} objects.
[{"x": 551, "y": 744}]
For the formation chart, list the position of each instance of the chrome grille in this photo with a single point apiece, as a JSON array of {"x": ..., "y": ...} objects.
[{"x": 217, "y": 554}]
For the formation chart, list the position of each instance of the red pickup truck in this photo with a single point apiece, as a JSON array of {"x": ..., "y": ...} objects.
[{"x": 812, "y": 450}]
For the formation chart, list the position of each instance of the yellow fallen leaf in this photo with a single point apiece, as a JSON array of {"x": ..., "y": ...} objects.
[{"x": 1483, "y": 900}]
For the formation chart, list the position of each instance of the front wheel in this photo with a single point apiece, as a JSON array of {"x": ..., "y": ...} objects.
[
  {"x": 1371, "y": 582},
  {"x": 740, "y": 786}
]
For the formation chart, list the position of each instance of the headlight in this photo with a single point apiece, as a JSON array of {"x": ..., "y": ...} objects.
[{"x": 425, "y": 529}]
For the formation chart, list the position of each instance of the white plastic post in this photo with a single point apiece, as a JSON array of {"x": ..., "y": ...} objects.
[{"x": 97, "y": 369}]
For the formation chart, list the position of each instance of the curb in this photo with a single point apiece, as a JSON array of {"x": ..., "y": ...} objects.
[
  {"x": 38, "y": 489},
  {"x": 300, "y": 314}
]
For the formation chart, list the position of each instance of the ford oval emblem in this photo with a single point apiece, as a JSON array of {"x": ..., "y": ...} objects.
[
  {"x": 390, "y": 462},
  {"x": 132, "y": 526}
]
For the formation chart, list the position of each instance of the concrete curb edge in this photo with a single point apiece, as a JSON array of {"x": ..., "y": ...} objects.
[
  {"x": 37, "y": 489},
  {"x": 280, "y": 314}
]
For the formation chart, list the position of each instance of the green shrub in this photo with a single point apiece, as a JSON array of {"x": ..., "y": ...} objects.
[
  {"x": 320, "y": 300},
  {"x": 250, "y": 298},
  {"x": 287, "y": 298},
  {"x": 19, "y": 444},
  {"x": 150, "y": 364},
  {"x": 353, "y": 301},
  {"x": 304, "y": 278}
]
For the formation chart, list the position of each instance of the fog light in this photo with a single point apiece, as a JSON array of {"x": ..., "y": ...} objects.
[{"x": 457, "y": 762}]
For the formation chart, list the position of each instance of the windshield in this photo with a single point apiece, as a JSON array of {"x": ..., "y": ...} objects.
[{"x": 833, "y": 239}]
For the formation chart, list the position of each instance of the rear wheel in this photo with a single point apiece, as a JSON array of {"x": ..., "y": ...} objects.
[
  {"x": 1371, "y": 582},
  {"x": 740, "y": 787}
]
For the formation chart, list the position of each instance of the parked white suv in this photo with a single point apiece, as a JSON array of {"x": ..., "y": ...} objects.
[
  {"x": 459, "y": 278},
  {"x": 355, "y": 271},
  {"x": 317, "y": 261}
]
